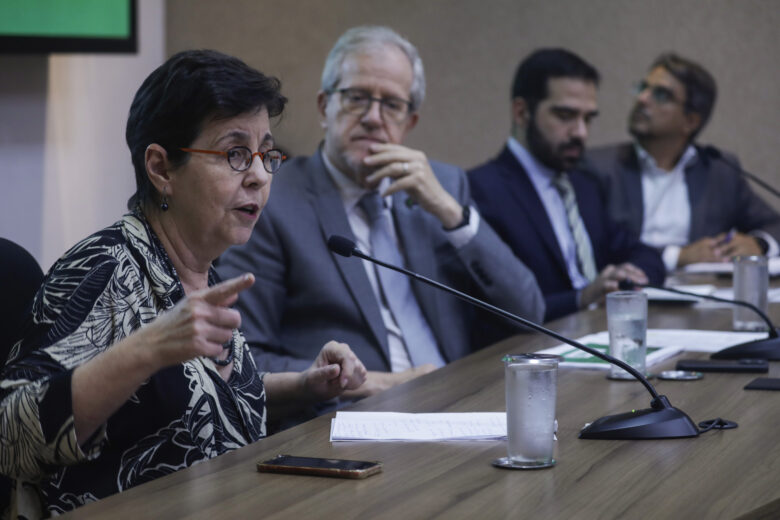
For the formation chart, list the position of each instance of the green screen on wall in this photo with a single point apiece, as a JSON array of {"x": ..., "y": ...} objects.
[{"x": 68, "y": 26}]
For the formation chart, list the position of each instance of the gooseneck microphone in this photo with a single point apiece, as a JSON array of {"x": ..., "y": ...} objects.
[
  {"x": 710, "y": 152},
  {"x": 660, "y": 421},
  {"x": 767, "y": 348}
]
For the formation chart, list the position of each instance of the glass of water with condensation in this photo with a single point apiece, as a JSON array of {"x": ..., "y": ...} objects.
[
  {"x": 531, "y": 389},
  {"x": 627, "y": 323},
  {"x": 751, "y": 285}
]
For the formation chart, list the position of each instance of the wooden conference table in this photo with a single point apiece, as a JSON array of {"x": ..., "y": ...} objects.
[{"x": 720, "y": 474}]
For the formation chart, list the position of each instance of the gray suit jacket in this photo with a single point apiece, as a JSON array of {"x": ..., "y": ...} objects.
[
  {"x": 305, "y": 295},
  {"x": 720, "y": 197}
]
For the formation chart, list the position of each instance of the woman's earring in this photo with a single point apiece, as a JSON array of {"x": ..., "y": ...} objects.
[{"x": 164, "y": 205}]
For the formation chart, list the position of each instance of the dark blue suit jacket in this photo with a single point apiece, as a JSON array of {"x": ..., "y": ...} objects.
[{"x": 508, "y": 201}]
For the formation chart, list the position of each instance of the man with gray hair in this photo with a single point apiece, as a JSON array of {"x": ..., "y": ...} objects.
[{"x": 397, "y": 205}]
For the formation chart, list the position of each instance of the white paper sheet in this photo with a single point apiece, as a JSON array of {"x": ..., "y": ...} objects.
[
  {"x": 665, "y": 296},
  {"x": 396, "y": 426},
  {"x": 773, "y": 295},
  {"x": 700, "y": 340},
  {"x": 727, "y": 267}
]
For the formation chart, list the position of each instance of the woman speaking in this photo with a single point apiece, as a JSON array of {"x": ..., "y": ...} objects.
[{"x": 133, "y": 366}]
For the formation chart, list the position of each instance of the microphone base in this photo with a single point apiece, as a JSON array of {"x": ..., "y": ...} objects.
[
  {"x": 768, "y": 348},
  {"x": 661, "y": 421}
]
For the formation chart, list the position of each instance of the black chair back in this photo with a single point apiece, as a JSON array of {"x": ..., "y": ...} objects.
[{"x": 20, "y": 279}]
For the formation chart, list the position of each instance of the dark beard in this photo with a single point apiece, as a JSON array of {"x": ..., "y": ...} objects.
[{"x": 544, "y": 152}]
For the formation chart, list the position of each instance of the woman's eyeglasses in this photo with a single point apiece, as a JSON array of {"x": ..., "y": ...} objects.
[{"x": 240, "y": 157}]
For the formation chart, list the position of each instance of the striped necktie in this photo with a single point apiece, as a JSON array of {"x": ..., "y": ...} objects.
[
  {"x": 585, "y": 256},
  {"x": 417, "y": 335}
]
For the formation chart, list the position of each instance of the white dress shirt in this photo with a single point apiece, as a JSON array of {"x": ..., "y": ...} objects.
[
  {"x": 351, "y": 194},
  {"x": 666, "y": 221},
  {"x": 542, "y": 180}
]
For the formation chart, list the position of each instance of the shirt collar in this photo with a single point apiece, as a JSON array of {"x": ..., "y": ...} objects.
[
  {"x": 151, "y": 256},
  {"x": 648, "y": 162},
  {"x": 349, "y": 190},
  {"x": 539, "y": 173}
]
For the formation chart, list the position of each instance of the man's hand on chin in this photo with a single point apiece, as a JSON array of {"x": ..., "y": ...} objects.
[{"x": 411, "y": 172}]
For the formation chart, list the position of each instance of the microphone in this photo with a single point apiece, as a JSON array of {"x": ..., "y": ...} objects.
[
  {"x": 710, "y": 152},
  {"x": 660, "y": 421},
  {"x": 767, "y": 348}
]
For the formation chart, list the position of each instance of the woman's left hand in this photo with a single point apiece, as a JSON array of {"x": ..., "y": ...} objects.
[{"x": 335, "y": 369}]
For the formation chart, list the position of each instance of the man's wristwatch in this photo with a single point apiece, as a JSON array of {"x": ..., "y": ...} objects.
[
  {"x": 464, "y": 221},
  {"x": 762, "y": 244}
]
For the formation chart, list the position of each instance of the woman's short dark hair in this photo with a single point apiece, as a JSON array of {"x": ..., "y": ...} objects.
[
  {"x": 700, "y": 88},
  {"x": 533, "y": 73},
  {"x": 180, "y": 95}
]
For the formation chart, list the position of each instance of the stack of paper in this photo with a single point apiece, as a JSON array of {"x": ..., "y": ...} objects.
[
  {"x": 395, "y": 426},
  {"x": 773, "y": 294},
  {"x": 692, "y": 340},
  {"x": 662, "y": 344},
  {"x": 728, "y": 267}
]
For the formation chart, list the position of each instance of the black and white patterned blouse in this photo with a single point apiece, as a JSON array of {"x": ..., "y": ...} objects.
[{"x": 104, "y": 288}]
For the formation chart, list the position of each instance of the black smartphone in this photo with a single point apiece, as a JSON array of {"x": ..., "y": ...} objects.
[
  {"x": 758, "y": 366},
  {"x": 320, "y": 467},
  {"x": 764, "y": 383}
]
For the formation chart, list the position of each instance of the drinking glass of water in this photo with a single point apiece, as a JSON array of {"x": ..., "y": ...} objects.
[
  {"x": 627, "y": 324},
  {"x": 751, "y": 284},
  {"x": 531, "y": 388}
]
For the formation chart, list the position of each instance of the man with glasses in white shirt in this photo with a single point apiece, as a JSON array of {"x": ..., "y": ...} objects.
[
  {"x": 690, "y": 205},
  {"x": 396, "y": 204}
]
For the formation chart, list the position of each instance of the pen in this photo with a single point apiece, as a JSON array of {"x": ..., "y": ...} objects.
[{"x": 729, "y": 236}]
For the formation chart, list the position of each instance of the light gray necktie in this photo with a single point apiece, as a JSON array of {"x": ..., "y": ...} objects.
[
  {"x": 581, "y": 241},
  {"x": 417, "y": 335}
]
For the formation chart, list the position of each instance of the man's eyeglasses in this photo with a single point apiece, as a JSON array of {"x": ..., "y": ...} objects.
[
  {"x": 660, "y": 94},
  {"x": 240, "y": 157},
  {"x": 358, "y": 101}
]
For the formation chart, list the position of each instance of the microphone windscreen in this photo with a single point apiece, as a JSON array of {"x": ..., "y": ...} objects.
[{"x": 341, "y": 245}]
